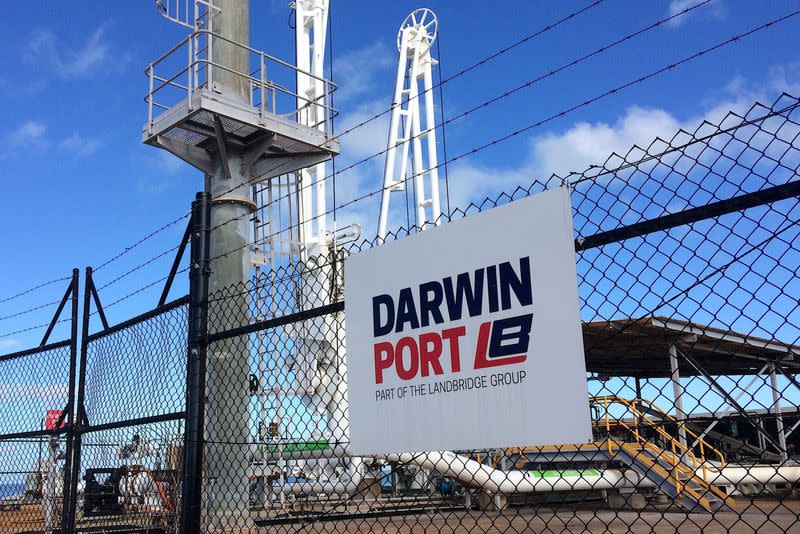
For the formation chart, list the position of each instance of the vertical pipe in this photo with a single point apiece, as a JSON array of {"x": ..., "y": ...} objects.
[
  {"x": 196, "y": 366},
  {"x": 228, "y": 363},
  {"x": 150, "y": 102},
  {"x": 777, "y": 409},
  {"x": 677, "y": 392},
  {"x": 68, "y": 520},
  {"x": 189, "y": 74},
  {"x": 417, "y": 167}
]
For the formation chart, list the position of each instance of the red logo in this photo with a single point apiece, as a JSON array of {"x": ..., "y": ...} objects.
[{"x": 503, "y": 342}]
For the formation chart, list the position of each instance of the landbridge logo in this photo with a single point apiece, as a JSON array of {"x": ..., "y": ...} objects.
[{"x": 488, "y": 290}]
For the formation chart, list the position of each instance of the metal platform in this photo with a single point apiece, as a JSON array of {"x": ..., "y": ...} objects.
[
  {"x": 188, "y": 116},
  {"x": 189, "y": 130}
]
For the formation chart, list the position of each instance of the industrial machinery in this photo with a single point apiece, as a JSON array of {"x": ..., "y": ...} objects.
[{"x": 412, "y": 124}]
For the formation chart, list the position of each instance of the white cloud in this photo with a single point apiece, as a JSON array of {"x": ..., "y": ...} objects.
[
  {"x": 585, "y": 144},
  {"x": 77, "y": 145},
  {"x": 30, "y": 131},
  {"x": 34, "y": 133},
  {"x": 77, "y": 62},
  {"x": 151, "y": 186},
  {"x": 28, "y": 392},
  {"x": 8, "y": 343},
  {"x": 355, "y": 71},
  {"x": 368, "y": 139},
  {"x": 716, "y": 10},
  {"x": 166, "y": 162}
]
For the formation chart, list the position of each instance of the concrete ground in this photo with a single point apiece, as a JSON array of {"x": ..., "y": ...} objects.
[{"x": 759, "y": 515}]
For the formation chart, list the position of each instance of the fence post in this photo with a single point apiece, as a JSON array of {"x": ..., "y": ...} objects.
[
  {"x": 67, "y": 520},
  {"x": 75, "y": 461},
  {"x": 196, "y": 365}
]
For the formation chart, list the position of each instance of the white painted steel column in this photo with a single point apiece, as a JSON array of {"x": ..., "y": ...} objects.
[
  {"x": 225, "y": 492},
  {"x": 777, "y": 410},
  {"x": 677, "y": 391},
  {"x": 430, "y": 126},
  {"x": 394, "y": 123}
]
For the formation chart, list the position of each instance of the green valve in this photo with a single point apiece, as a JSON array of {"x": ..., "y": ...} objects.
[
  {"x": 565, "y": 473},
  {"x": 313, "y": 445}
]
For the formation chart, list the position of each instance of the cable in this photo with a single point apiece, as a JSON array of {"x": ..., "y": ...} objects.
[
  {"x": 34, "y": 288},
  {"x": 333, "y": 128},
  {"x": 142, "y": 288},
  {"x": 441, "y": 115},
  {"x": 136, "y": 268},
  {"x": 477, "y": 64},
  {"x": 30, "y": 310},
  {"x": 680, "y": 148},
  {"x": 533, "y": 81},
  {"x": 462, "y": 72},
  {"x": 506, "y": 94},
  {"x": 613, "y": 91},
  {"x": 68, "y": 319},
  {"x": 142, "y": 240}
]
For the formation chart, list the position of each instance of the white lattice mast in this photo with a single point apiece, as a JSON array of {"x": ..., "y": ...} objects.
[
  {"x": 412, "y": 130},
  {"x": 310, "y": 36}
]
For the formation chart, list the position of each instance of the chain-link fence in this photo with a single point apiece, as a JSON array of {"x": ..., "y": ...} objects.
[
  {"x": 132, "y": 406},
  {"x": 37, "y": 389},
  {"x": 687, "y": 259}
]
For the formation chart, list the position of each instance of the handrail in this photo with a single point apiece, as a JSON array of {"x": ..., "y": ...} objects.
[
  {"x": 632, "y": 405},
  {"x": 678, "y": 450},
  {"x": 200, "y": 63}
]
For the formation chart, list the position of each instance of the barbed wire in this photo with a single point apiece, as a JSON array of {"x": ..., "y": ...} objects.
[
  {"x": 149, "y": 236},
  {"x": 551, "y": 73},
  {"x": 560, "y": 114},
  {"x": 450, "y": 160},
  {"x": 140, "y": 289},
  {"x": 138, "y": 267},
  {"x": 462, "y": 72},
  {"x": 30, "y": 328},
  {"x": 30, "y": 310},
  {"x": 34, "y": 288}
]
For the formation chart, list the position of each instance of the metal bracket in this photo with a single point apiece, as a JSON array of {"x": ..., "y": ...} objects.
[
  {"x": 98, "y": 305},
  {"x": 174, "y": 269},
  {"x": 219, "y": 133},
  {"x": 728, "y": 397},
  {"x": 194, "y": 156},
  {"x": 54, "y": 320},
  {"x": 256, "y": 150}
]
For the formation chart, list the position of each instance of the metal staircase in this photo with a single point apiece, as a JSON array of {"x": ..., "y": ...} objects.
[
  {"x": 678, "y": 470},
  {"x": 634, "y": 432}
]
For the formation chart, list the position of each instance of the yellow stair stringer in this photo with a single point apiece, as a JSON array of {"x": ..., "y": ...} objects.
[{"x": 673, "y": 476}]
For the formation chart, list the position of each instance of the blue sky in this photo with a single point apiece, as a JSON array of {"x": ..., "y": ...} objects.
[{"x": 80, "y": 186}]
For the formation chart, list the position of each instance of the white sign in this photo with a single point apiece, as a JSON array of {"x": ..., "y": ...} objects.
[{"x": 468, "y": 335}]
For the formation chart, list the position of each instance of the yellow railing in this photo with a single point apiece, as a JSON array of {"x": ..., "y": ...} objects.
[
  {"x": 682, "y": 460},
  {"x": 675, "y": 446}
]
